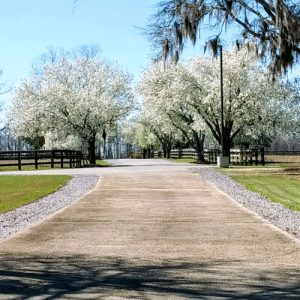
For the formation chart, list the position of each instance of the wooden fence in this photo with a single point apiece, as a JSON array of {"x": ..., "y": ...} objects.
[
  {"x": 237, "y": 156},
  {"x": 247, "y": 156},
  {"x": 285, "y": 153},
  {"x": 69, "y": 158}
]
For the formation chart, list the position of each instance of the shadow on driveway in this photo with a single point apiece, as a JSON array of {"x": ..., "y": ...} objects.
[{"x": 82, "y": 276}]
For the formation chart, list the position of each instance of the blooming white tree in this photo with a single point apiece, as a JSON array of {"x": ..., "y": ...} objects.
[
  {"x": 160, "y": 126},
  {"x": 252, "y": 103},
  {"x": 162, "y": 88},
  {"x": 189, "y": 95},
  {"x": 136, "y": 133},
  {"x": 71, "y": 97}
]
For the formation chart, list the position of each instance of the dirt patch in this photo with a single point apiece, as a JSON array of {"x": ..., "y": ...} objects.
[
  {"x": 292, "y": 170},
  {"x": 283, "y": 159}
]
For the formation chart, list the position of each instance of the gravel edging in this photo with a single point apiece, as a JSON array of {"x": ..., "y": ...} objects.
[
  {"x": 277, "y": 214},
  {"x": 22, "y": 217}
]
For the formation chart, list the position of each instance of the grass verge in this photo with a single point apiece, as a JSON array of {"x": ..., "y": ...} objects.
[
  {"x": 27, "y": 168},
  {"x": 183, "y": 160},
  {"x": 16, "y": 191},
  {"x": 277, "y": 188},
  {"x": 102, "y": 163}
]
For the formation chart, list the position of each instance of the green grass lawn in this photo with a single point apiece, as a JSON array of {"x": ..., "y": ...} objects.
[
  {"x": 102, "y": 163},
  {"x": 183, "y": 160},
  {"x": 283, "y": 189},
  {"x": 28, "y": 168},
  {"x": 16, "y": 191}
]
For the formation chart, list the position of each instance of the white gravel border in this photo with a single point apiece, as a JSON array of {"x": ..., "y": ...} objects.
[
  {"x": 277, "y": 214},
  {"x": 20, "y": 218}
]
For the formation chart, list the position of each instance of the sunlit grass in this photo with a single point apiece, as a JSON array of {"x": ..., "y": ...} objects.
[
  {"x": 16, "y": 191},
  {"x": 283, "y": 189},
  {"x": 29, "y": 168},
  {"x": 102, "y": 163},
  {"x": 183, "y": 160}
]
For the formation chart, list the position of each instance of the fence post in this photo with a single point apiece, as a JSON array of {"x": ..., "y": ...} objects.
[
  {"x": 262, "y": 153},
  {"x": 70, "y": 158},
  {"x": 62, "y": 159},
  {"x": 52, "y": 159},
  {"x": 256, "y": 157},
  {"x": 179, "y": 152},
  {"x": 80, "y": 155},
  {"x": 35, "y": 159},
  {"x": 19, "y": 160}
]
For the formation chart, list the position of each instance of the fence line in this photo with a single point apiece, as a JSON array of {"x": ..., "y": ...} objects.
[
  {"x": 276, "y": 152},
  {"x": 247, "y": 156},
  {"x": 237, "y": 156},
  {"x": 41, "y": 157}
]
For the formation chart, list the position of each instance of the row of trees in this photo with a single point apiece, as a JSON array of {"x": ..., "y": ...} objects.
[
  {"x": 75, "y": 100},
  {"x": 181, "y": 104}
]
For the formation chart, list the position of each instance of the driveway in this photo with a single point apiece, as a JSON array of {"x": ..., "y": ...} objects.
[{"x": 150, "y": 230}]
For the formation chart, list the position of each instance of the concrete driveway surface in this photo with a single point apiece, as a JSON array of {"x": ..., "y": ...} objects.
[{"x": 150, "y": 230}]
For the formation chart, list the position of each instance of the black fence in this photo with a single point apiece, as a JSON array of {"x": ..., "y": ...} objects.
[
  {"x": 36, "y": 158},
  {"x": 247, "y": 156},
  {"x": 286, "y": 153},
  {"x": 237, "y": 156}
]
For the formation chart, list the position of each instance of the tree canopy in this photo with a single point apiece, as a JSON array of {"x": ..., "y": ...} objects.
[
  {"x": 71, "y": 98},
  {"x": 186, "y": 96},
  {"x": 271, "y": 25}
]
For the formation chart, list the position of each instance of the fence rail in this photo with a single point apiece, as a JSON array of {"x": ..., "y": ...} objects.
[
  {"x": 41, "y": 157},
  {"x": 276, "y": 152},
  {"x": 237, "y": 156},
  {"x": 247, "y": 156}
]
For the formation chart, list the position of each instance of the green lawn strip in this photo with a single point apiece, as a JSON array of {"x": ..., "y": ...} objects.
[
  {"x": 16, "y": 191},
  {"x": 267, "y": 165},
  {"x": 28, "y": 168},
  {"x": 277, "y": 188},
  {"x": 183, "y": 160},
  {"x": 102, "y": 163}
]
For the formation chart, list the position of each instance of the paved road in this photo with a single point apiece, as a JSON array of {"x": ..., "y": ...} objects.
[{"x": 151, "y": 232}]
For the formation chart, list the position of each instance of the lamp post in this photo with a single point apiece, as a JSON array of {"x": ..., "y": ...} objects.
[
  {"x": 222, "y": 99},
  {"x": 222, "y": 161}
]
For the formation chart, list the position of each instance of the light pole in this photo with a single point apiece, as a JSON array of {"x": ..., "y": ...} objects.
[
  {"x": 222, "y": 161},
  {"x": 222, "y": 99}
]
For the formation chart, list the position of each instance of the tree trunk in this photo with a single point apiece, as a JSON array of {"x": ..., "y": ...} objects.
[
  {"x": 227, "y": 145},
  {"x": 104, "y": 149},
  {"x": 168, "y": 148},
  {"x": 148, "y": 152},
  {"x": 104, "y": 143},
  {"x": 180, "y": 151},
  {"x": 165, "y": 151},
  {"x": 198, "y": 145},
  {"x": 151, "y": 152},
  {"x": 92, "y": 151}
]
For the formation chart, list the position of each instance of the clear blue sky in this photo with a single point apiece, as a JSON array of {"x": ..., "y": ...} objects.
[{"x": 28, "y": 27}]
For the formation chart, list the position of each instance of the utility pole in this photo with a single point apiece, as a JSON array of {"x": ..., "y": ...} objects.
[
  {"x": 222, "y": 161},
  {"x": 222, "y": 100}
]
